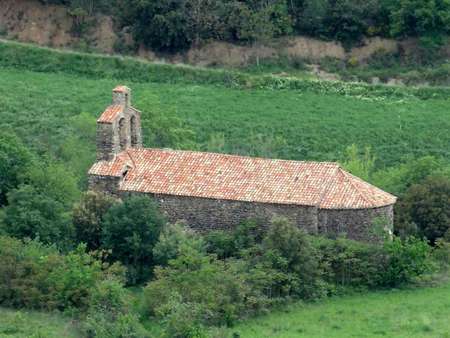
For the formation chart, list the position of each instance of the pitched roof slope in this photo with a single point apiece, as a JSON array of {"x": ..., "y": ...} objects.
[
  {"x": 218, "y": 176},
  {"x": 110, "y": 114}
]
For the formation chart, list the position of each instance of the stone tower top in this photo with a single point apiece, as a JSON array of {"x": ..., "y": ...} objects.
[
  {"x": 122, "y": 96},
  {"x": 119, "y": 127}
]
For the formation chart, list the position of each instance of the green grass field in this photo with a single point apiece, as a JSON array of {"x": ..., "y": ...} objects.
[
  {"x": 406, "y": 314},
  {"x": 274, "y": 123},
  {"x": 30, "y": 324},
  {"x": 402, "y": 313}
]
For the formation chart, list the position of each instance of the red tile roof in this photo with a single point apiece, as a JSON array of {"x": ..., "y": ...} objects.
[
  {"x": 110, "y": 114},
  {"x": 122, "y": 89},
  {"x": 218, "y": 176}
]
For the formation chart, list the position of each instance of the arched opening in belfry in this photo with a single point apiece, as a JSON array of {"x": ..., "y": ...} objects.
[
  {"x": 122, "y": 134},
  {"x": 133, "y": 131}
]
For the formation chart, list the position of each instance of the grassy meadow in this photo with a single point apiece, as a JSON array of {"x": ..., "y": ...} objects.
[
  {"x": 413, "y": 313},
  {"x": 30, "y": 324},
  {"x": 399, "y": 313}
]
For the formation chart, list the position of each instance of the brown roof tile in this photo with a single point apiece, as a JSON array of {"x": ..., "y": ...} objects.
[
  {"x": 218, "y": 176},
  {"x": 110, "y": 114},
  {"x": 122, "y": 89}
]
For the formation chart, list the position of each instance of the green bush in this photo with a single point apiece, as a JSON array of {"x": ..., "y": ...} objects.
[
  {"x": 109, "y": 313},
  {"x": 406, "y": 260},
  {"x": 15, "y": 159},
  {"x": 350, "y": 264},
  {"x": 33, "y": 275},
  {"x": 173, "y": 239},
  {"x": 35, "y": 215},
  {"x": 221, "y": 243},
  {"x": 182, "y": 320},
  {"x": 425, "y": 208},
  {"x": 287, "y": 250},
  {"x": 213, "y": 287},
  {"x": 87, "y": 218},
  {"x": 130, "y": 231},
  {"x": 441, "y": 252}
]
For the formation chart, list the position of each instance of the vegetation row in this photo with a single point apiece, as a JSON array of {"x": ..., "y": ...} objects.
[{"x": 22, "y": 56}]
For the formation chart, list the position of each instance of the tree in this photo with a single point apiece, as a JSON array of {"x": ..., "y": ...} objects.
[
  {"x": 419, "y": 17},
  {"x": 399, "y": 178},
  {"x": 161, "y": 25},
  {"x": 87, "y": 218},
  {"x": 15, "y": 160},
  {"x": 427, "y": 207},
  {"x": 286, "y": 248},
  {"x": 266, "y": 19},
  {"x": 32, "y": 214},
  {"x": 172, "y": 240},
  {"x": 54, "y": 180},
  {"x": 130, "y": 230},
  {"x": 359, "y": 165}
]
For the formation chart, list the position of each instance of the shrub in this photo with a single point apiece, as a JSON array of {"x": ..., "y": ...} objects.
[
  {"x": 172, "y": 240},
  {"x": 441, "y": 253},
  {"x": 14, "y": 162},
  {"x": 130, "y": 230},
  {"x": 407, "y": 260},
  {"x": 287, "y": 249},
  {"x": 182, "y": 320},
  {"x": 33, "y": 275},
  {"x": 248, "y": 234},
  {"x": 109, "y": 313},
  {"x": 87, "y": 218},
  {"x": 426, "y": 206},
  {"x": 213, "y": 288},
  {"x": 74, "y": 279},
  {"x": 221, "y": 243},
  {"x": 350, "y": 264},
  {"x": 32, "y": 214}
]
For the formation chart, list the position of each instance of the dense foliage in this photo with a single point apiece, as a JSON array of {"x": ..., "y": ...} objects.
[
  {"x": 171, "y": 25},
  {"x": 269, "y": 267},
  {"x": 38, "y": 276},
  {"x": 88, "y": 216},
  {"x": 130, "y": 230},
  {"x": 424, "y": 209}
]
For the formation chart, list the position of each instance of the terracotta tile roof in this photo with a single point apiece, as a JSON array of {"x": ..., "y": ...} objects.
[
  {"x": 114, "y": 168},
  {"x": 122, "y": 89},
  {"x": 218, "y": 176},
  {"x": 110, "y": 114}
]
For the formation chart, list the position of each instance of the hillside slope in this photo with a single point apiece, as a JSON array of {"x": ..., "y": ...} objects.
[{"x": 186, "y": 107}]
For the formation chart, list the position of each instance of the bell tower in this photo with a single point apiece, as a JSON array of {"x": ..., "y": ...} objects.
[{"x": 119, "y": 127}]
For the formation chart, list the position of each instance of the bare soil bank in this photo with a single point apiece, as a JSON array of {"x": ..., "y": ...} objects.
[{"x": 50, "y": 25}]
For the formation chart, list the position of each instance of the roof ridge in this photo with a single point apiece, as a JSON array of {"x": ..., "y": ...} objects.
[
  {"x": 336, "y": 164},
  {"x": 368, "y": 183},
  {"x": 131, "y": 157},
  {"x": 345, "y": 173}
]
